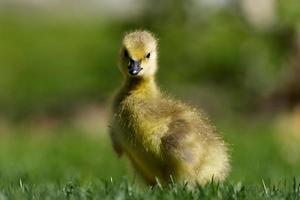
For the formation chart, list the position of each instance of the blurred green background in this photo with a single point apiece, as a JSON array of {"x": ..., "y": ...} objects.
[{"x": 239, "y": 60}]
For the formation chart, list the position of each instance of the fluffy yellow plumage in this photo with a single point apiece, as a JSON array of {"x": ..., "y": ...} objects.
[{"x": 161, "y": 136}]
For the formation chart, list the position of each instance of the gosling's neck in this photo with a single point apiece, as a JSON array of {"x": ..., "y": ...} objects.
[{"x": 141, "y": 86}]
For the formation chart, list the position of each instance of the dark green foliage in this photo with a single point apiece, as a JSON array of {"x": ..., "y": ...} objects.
[{"x": 50, "y": 63}]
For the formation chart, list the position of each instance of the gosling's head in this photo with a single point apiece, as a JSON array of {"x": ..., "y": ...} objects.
[{"x": 138, "y": 54}]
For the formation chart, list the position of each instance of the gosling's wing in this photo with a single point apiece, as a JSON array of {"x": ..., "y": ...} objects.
[
  {"x": 172, "y": 142},
  {"x": 187, "y": 131}
]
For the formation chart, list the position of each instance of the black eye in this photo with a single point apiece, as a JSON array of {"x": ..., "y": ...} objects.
[
  {"x": 148, "y": 55},
  {"x": 126, "y": 54}
]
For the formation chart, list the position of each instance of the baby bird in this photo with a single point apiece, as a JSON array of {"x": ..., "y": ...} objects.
[{"x": 162, "y": 137}]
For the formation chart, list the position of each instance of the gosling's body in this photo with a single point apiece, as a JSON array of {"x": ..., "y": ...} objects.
[{"x": 163, "y": 137}]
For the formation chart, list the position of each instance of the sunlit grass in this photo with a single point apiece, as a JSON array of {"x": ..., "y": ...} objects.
[
  {"x": 125, "y": 189},
  {"x": 66, "y": 163}
]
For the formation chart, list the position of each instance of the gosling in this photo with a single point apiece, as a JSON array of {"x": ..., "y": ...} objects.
[{"x": 164, "y": 139}]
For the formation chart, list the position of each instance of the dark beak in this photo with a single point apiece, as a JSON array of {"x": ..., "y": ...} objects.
[{"x": 134, "y": 67}]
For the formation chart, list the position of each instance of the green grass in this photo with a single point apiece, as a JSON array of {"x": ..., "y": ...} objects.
[
  {"x": 63, "y": 163},
  {"x": 66, "y": 154},
  {"x": 129, "y": 190}
]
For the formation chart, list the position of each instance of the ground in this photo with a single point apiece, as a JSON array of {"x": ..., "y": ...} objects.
[{"x": 65, "y": 163}]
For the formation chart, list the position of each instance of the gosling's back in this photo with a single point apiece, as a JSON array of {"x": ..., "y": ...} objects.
[{"x": 164, "y": 137}]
